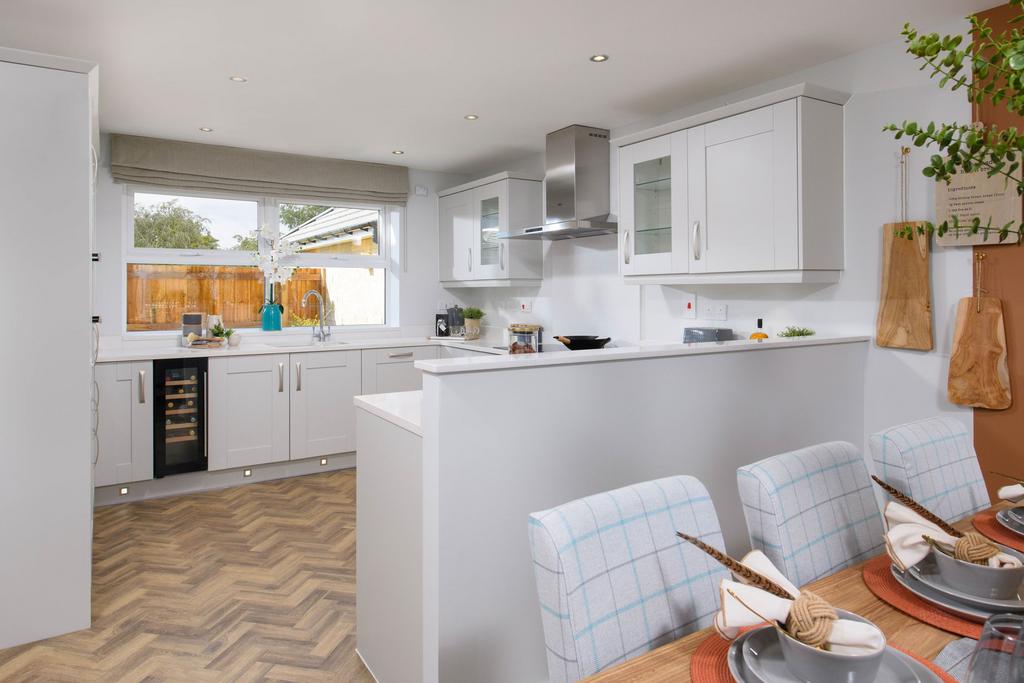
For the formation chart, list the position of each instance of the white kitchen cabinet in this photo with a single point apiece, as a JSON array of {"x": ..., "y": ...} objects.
[
  {"x": 323, "y": 419},
  {"x": 248, "y": 410},
  {"x": 125, "y": 423},
  {"x": 751, "y": 197},
  {"x": 470, "y": 217},
  {"x": 653, "y": 207},
  {"x": 388, "y": 370}
]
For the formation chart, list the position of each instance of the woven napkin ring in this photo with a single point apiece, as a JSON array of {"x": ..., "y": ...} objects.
[
  {"x": 810, "y": 619},
  {"x": 975, "y": 548}
]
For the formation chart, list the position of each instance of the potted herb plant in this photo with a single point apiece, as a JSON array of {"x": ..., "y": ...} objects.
[
  {"x": 472, "y": 316},
  {"x": 225, "y": 333}
]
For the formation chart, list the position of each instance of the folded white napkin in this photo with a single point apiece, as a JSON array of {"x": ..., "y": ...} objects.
[
  {"x": 847, "y": 636},
  {"x": 1012, "y": 493},
  {"x": 904, "y": 541}
]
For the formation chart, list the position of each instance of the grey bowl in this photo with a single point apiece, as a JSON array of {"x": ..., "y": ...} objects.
[
  {"x": 813, "y": 665},
  {"x": 976, "y": 579}
]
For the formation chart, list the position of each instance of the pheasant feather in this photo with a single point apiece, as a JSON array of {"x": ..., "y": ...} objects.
[
  {"x": 744, "y": 572},
  {"x": 909, "y": 502}
]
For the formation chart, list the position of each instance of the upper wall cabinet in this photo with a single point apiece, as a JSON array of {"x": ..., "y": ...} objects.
[
  {"x": 753, "y": 197},
  {"x": 470, "y": 217}
]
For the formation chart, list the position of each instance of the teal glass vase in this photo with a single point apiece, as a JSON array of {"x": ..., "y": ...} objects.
[{"x": 270, "y": 316}]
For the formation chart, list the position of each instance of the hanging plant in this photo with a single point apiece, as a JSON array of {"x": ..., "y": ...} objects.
[{"x": 991, "y": 69}]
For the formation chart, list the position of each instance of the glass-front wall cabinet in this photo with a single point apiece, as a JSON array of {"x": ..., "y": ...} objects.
[
  {"x": 490, "y": 221},
  {"x": 652, "y": 205},
  {"x": 491, "y": 202}
]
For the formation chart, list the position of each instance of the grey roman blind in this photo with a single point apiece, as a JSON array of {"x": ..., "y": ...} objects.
[{"x": 194, "y": 166}]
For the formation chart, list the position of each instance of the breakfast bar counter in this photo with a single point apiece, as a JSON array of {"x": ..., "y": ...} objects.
[{"x": 446, "y": 576}]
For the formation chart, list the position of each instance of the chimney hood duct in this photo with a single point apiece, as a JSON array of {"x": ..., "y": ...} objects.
[{"x": 576, "y": 168}]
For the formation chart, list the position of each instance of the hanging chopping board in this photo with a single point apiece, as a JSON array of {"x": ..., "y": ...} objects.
[
  {"x": 979, "y": 375},
  {"x": 905, "y": 310}
]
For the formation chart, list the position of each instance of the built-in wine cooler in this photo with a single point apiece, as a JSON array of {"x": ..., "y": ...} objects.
[{"x": 179, "y": 416}]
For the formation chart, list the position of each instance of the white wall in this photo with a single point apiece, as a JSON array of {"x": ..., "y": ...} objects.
[
  {"x": 582, "y": 292},
  {"x": 419, "y": 291}
]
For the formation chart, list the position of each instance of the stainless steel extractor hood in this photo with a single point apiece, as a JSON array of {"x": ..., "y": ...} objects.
[{"x": 576, "y": 167}]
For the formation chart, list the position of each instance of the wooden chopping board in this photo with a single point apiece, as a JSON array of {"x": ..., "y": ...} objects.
[
  {"x": 979, "y": 375},
  {"x": 905, "y": 309}
]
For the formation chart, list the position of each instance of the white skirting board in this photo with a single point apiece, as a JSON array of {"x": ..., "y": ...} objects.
[{"x": 194, "y": 482}]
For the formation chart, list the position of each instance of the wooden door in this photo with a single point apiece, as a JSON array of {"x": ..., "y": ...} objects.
[
  {"x": 390, "y": 370},
  {"x": 248, "y": 410},
  {"x": 750, "y": 190},
  {"x": 323, "y": 415},
  {"x": 457, "y": 219},
  {"x": 647, "y": 208},
  {"x": 490, "y": 216}
]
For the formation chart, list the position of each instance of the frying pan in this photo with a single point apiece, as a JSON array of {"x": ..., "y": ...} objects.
[{"x": 583, "y": 342}]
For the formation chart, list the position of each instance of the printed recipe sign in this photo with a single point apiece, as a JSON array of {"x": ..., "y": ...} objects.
[{"x": 970, "y": 195}]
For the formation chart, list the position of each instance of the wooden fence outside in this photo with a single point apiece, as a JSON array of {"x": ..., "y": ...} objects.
[{"x": 159, "y": 294}]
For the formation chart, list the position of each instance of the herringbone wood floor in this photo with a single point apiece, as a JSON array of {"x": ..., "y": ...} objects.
[{"x": 254, "y": 583}]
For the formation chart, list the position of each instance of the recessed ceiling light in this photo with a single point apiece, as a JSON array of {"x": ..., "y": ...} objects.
[
  {"x": 204, "y": 129},
  {"x": 238, "y": 79},
  {"x": 471, "y": 117},
  {"x": 397, "y": 152},
  {"x": 599, "y": 58}
]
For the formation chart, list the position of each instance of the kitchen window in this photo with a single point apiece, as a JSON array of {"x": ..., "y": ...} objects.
[{"x": 191, "y": 252}]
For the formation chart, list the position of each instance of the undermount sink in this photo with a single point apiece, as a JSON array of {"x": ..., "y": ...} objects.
[{"x": 288, "y": 344}]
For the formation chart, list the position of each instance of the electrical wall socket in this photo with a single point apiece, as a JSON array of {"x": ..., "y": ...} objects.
[
  {"x": 712, "y": 311},
  {"x": 689, "y": 305}
]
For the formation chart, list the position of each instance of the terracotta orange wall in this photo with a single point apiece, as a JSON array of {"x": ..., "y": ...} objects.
[{"x": 999, "y": 434}]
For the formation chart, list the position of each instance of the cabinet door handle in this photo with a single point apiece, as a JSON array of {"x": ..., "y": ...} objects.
[
  {"x": 625, "y": 248},
  {"x": 469, "y": 259},
  {"x": 206, "y": 415},
  {"x": 280, "y": 378},
  {"x": 696, "y": 241},
  {"x": 142, "y": 386},
  {"x": 407, "y": 354},
  {"x": 501, "y": 255},
  {"x": 298, "y": 376}
]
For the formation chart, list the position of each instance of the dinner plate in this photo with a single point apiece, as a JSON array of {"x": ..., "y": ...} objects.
[
  {"x": 1010, "y": 522},
  {"x": 927, "y": 572},
  {"x": 1016, "y": 514},
  {"x": 735, "y": 659},
  {"x": 943, "y": 602},
  {"x": 762, "y": 656}
]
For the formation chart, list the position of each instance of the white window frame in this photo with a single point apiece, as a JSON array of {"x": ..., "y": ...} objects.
[{"x": 267, "y": 213}]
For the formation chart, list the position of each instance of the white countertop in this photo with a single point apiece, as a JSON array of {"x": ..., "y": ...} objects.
[
  {"x": 659, "y": 350},
  {"x": 403, "y": 408},
  {"x": 130, "y": 351}
]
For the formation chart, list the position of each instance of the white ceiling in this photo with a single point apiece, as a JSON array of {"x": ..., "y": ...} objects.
[{"x": 356, "y": 79}]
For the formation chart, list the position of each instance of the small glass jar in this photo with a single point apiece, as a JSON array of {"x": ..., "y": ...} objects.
[{"x": 523, "y": 338}]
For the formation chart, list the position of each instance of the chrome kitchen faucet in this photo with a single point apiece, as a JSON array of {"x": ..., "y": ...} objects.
[{"x": 320, "y": 335}]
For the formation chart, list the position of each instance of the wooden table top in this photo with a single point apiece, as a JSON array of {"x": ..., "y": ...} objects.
[{"x": 844, "y": 589}]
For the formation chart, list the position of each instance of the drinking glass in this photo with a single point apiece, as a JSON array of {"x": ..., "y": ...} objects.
[{"x": 997, "y": 656}]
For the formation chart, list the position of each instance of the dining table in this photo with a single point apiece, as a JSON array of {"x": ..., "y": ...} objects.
[{"x": 844, "y": 589}]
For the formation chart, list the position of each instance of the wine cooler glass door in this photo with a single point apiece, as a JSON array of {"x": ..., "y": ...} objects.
[{"x": 179, "y": 430}]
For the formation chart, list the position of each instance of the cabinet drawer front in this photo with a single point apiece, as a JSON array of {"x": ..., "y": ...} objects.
[
  {"x": 405, "y": 354},
  {"x": 326, "y": 359},
  {"x": 739, "y": 126},
  {"x": 250, "y": 363}
]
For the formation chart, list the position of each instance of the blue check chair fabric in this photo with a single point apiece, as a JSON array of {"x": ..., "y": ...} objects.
[
  {"x": 933, "y": 461},
  {"x": 614, "y": 580},
  {"x": 811, "y": 511}
]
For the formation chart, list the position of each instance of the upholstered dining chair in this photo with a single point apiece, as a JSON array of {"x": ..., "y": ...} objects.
[
  {"x": 613, "y": 579},
  {"x": 811, "y": 511},
  {"x": 933, "y": 461}
]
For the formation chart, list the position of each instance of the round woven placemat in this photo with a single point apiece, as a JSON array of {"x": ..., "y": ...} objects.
[
  {"x": 985, "y": 522},
  {"x": 885, "y": 586},
  {"x": 708, "y": 663}
]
